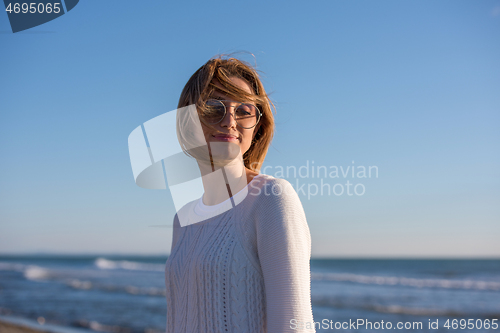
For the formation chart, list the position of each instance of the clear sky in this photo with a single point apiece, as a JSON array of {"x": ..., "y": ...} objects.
[{"x": 411, "y": 87}]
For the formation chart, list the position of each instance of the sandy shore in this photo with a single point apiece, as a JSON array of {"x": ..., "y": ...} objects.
[
  {"x": 7, "y": 327},
  {"x": 20, "y": 325}
]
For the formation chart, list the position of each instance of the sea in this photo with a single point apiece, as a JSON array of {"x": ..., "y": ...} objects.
[{"x": 127, "y": 294}]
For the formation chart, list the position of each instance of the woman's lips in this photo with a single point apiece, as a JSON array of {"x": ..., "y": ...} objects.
[{"x": 226, "y": 138}]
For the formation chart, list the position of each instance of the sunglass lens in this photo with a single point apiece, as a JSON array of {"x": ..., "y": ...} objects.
[
  {"x": 214, "y": 111},
  {"x": 246, "y": 115}
]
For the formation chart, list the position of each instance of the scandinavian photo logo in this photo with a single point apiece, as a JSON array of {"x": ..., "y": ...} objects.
[{"x": 310, "y": 180}]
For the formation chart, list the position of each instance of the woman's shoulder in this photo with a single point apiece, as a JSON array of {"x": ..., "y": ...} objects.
[
  {"x": 269, "y": 186},
  {"x": 276, "y": 208},
  {"x": 273, "y": 193}
]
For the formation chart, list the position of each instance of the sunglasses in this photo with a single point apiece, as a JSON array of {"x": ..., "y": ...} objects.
[{"x": 246, "y": 115}]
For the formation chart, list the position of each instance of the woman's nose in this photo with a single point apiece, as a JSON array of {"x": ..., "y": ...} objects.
[{"x": 229, "y": 120}]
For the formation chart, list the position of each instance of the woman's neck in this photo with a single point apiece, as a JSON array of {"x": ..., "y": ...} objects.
[{"x": 221, "y": 182}]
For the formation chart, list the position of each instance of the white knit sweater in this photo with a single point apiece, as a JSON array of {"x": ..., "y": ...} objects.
[{"x": 245, "y": 270}]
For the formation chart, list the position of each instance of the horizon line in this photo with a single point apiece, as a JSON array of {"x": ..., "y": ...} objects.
[{"x": 338, "y": 257}]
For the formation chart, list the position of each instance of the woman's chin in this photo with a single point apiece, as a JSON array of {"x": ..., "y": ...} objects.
[
  {"x": 224, "y": 152},
  {"x": 223, "y": 160}
]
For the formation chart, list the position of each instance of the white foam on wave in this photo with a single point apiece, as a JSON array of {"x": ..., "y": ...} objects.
[
  {"x": 104, "y": 263},
  {"x": 411, "y": 282},
  {"x": 36, "y": 273},
  {"x": 30, "y": 272},
  {"x": 78, "y": 284}
]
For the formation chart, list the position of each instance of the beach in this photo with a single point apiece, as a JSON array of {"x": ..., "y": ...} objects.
[
  {"x": 7, "y": 327},
  {"x": 126, "y": 294},
  {"x": 10, "y": 324}
]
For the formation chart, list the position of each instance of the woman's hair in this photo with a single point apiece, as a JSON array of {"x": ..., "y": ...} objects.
[{"x": 201, "y": 86}]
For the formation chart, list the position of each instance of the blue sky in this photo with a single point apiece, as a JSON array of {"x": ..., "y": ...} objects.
[{"x": 408, "y": 86}]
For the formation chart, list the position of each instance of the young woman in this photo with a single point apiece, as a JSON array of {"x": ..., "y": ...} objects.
[{"x": 240, "y": 254}]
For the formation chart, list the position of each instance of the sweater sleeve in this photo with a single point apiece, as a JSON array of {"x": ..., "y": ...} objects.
[{"x": 284, "y": 251}]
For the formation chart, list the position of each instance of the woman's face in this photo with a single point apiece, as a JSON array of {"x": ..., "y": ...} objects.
[{"x": 228, "y": 130}]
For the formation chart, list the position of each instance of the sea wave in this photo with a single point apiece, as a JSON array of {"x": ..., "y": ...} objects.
[
  {"x": 129, "y": 289},
  {"x": 410, "y": 282},
  {"x": 36, "y": 273},
  {"x": 30, "y": 272},
  {"x": 337, "y": 303},
  {"x": 104, "y": 263},
  {"x": 100, "y": 327},
  {"x": 78, "y": 284},
  {"x": 12, "y": 266}
]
